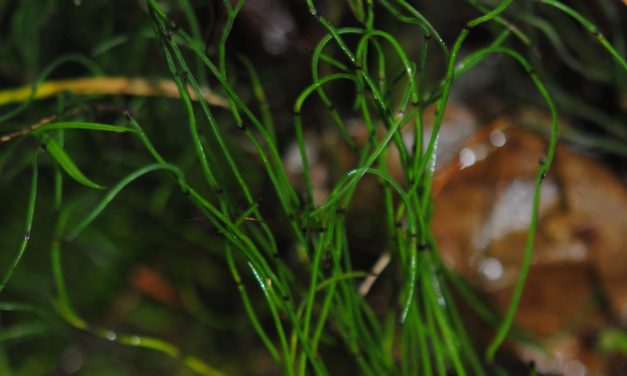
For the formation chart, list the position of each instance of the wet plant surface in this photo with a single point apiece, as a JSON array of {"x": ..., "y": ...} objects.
[{"x": 271, "y": 187}]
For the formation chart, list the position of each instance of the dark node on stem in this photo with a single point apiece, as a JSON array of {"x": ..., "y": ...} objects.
[
  {"x": 596, "y": 32},
  {"x": 327, "y": 260},
  {"x": 239, "y": 283},
  {"x": 530, "y": 70},
  {"x": 322, "y": 229},
  {"x": 415, "y": 103},
  {"x": 542, "y": 177},
  {"x": 168, "y": 35},
  {"x": 174, "y": 26},
  {"x": 286, "y": 298},
  {"x": 398, "y": 224},
  {"x": 276, "y": 255},
  {"x": 423, "y": 247},
  {"x": 412, "y": 235},
  {"x": 27, "y": 235},
  {"x": 427, "y": 36},
  {"x": 373, "y": 273},
  {"x": 542, "y": 161},
  {"x": 468, "y": 26},
  {"x": 331, "y": 107},
  {"x": 315, "y": 14},
  {"x": 242, "y": 127},
  {"x": 296, "y": 113},
  {"x": 341, "y": 211},
  {"x": 218, "y": 190},
  {"x": 127, "y": 115},
  {"x": 259, "y": 200},
  {"x": 182, "y": 74},
  {"x": 43, "y": 147},
  {"x": 358, "y": 66},
  {"x": 303, "y": 229}
]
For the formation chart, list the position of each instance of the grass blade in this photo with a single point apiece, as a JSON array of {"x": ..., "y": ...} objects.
[
  {"x": 82, "y": 125},
  {"x": 106, "y": 200},
  {"x": 30, "y": 211},
  {"x": 68, "y": 165}
]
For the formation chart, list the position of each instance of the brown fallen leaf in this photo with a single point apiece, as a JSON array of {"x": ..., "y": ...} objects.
[
  {"x": 150, "y": 283},
  {"x": 579, "y": 248}
]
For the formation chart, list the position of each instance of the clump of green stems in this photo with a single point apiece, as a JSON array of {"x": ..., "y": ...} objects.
[{"x": 425, "y": 333}]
